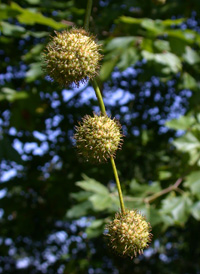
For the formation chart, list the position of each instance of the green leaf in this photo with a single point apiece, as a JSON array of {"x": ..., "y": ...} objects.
[
  {"x": 12, "y": 95},
  {"x": 177, "y": 208},
  {"x": 153, "y": 216},
  {"x": 147, "y": 44},
  {"x": 11, "y": 30},
  {"x": 164, "y": 175},
  {"x": 129, "y": 57},
  {"x": 161, "y": 45},
  {"x": 95, "y": 229},
  {"x": 81, "y": 196},
  {"x": 187, "y": 82},
  {"x": 33, "y": 2},
  {"x": 79, "y": 210},
  {"x": 187, "y": 143},
  {"x": 193, "y": 182},
  {"x": 168, "y": 60},
  {"x": 34, "y": 72},
  {"x": 34, "y": 53},
  {"x": 182, "y": 123},
  {"x": 143, "y": 190},
  {"x": 120, "y": 42},
  {"x": 175, "y": 22},
  {"x": 6, "y": 12},
  {"x": 191, "y": 56},
  {"x": 130, "y": 20},
  {"x": 155, "y": 26},
  {"x": 93, "y": 186},
  {"x": 100, "y": 201},
  {"x": 195, "y": 210},
  {"x": 37, "y": 34},
  {"x": 187, "y": 36},
  {"x": 29, "y": 17},
  {"x": 177, "y": 45},
  {"x": 107, "y": 68}
]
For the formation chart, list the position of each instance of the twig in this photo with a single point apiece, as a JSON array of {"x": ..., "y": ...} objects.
[{"x": 164, "y": 191}]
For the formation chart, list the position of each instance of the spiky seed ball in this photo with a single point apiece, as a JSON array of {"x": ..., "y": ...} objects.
[
  {"x": 72, "y": 57},
  {"x": 98, "y": 138},
  {"x": 129, "y": 233}
]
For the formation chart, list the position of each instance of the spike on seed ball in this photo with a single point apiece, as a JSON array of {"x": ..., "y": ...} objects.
[
  {"x": 129, "y": 233},
  {"x": 98, "y": 138},
  {"x": 72, "y": 57}
]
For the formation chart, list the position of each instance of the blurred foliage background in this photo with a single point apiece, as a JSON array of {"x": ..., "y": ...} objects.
[{"x": 53, "y": 206}]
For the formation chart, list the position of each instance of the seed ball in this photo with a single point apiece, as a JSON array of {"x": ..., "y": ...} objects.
[
  {"x": 72, "y": 57},
  {"x": 129, "y": 233},
  {"x": 98, "y": 138}
]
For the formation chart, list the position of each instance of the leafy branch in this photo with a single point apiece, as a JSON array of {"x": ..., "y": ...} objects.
[{"x": 164, "y": 191}]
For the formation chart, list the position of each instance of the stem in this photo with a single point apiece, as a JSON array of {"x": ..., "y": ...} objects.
[
  {"x": 103, "y": 109},
  {"x": 99, "y": 97},
  {"x": 164, "y": 191},
  {"x": 118, "y": 184},
  {"x": 87, "y": 14}
]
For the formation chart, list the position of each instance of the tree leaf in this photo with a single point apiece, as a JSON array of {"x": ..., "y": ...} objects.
[
  {"x": 79, "y": 210},
  {"x": 162, "y": 45},
  {"x": 191, "y": 56},
  {"x": 187, "y": 142},
  {"x": 30, "y": 18},
  {"x": 100, "y": 202},
  {"x": 143, "y": 190},
  {"x": 155, "y": 26},
  {"x": 195, "y": 210},
  {"x": 34, "y": 72},
  {"x": 12, "y": 95},
  {"x": 93, "y": 186},
  {"x": 11, "y": 30},
  {"x": 107, "y": 68},
  {"x": 128, "y": 57},
  {"x": 182, "y": 123},
  {"x": 193, "y": 182},
  {"x": 187, "y": 82},
  {"x": 95, "y": 229},
  {"x": 81, "y": 196},
  {"x": 168, "y": 60},
  {"x": 153, "y": 216},
  {"x": 178, "y": 208},
  {"x": 120, "y": 42}
]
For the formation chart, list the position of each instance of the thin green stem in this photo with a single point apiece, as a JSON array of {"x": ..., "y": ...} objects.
[
  {"x": 118, "y": 184},
  {"x": 99, "y": 97},
  {"x": 103, "y": 109},
  {"x": 87, "y": 14}
]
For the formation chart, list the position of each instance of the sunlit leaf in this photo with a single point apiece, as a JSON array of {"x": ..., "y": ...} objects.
[
  {"x": 195, "y": 210},
  {"x": 182, "y": 123},
  {"x": 100, "y": 201},
  {"x": 93, "y": 186},
  {"x": 30, "y": 18},
  {"x": 193, "y": 182}
]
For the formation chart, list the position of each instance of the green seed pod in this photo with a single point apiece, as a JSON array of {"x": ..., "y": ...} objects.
[
  {"x": 129, "y": 233},
  {"x": 72, "y": 57},
  {"x": 98, "y": 138}
]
